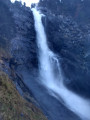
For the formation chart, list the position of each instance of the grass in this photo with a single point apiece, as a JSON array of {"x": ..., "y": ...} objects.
[
  {"x": 13, "y": 106},
  {"x": 4, "y": 53}
]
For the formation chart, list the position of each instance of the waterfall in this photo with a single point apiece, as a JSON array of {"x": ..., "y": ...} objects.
[
  {"x": 44, "y": 52},
  {"x": 48, "y": 61}
]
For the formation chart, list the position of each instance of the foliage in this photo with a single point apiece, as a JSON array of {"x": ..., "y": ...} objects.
[{"x": 12, "y": 105}]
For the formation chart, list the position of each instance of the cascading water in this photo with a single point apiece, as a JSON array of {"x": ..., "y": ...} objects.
[
  {"x": 77, "y": 104},
  {"x": 44, "y": 52}
]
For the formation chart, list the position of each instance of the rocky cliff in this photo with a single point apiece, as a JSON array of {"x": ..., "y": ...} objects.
[
  {"x": 67, "y": 25},
  {"x": 13, "y": 29}
]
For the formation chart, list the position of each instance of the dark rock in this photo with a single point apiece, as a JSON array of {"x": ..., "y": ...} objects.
[{"x": 23, "y": 46}]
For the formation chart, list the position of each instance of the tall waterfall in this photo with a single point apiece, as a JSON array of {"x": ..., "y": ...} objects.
[{"x": 47, "y": 61}]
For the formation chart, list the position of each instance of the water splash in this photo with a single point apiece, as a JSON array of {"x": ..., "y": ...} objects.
[{"x": 48, "y": 62}]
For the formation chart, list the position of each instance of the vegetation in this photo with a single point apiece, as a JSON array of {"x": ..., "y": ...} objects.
[{"x": 12, "y": 105}]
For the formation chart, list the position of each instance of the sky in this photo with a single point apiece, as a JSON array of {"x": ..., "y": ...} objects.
[{"x": 28, "y": 2}]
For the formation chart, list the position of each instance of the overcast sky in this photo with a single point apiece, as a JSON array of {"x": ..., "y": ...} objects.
[{"x": 28, "y": 2}]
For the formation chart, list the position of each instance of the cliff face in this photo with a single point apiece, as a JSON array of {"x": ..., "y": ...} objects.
[
  {"x": 6, "y": 26},
  {"x": 77, "y": 9},
  {"x": 68, "y": 33},
  {"x": 14, "y": 25},
  {"x": 23, "y": 44},
  {"x": 67, "y": 25}
]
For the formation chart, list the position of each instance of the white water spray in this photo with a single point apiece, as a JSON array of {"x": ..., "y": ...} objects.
[
  {"x": 44, "y": 53},
  {"x": 74, "y": 102}
]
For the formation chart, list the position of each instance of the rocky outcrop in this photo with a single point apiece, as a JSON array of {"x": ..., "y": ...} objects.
[{"x": 24, "y": 47}]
